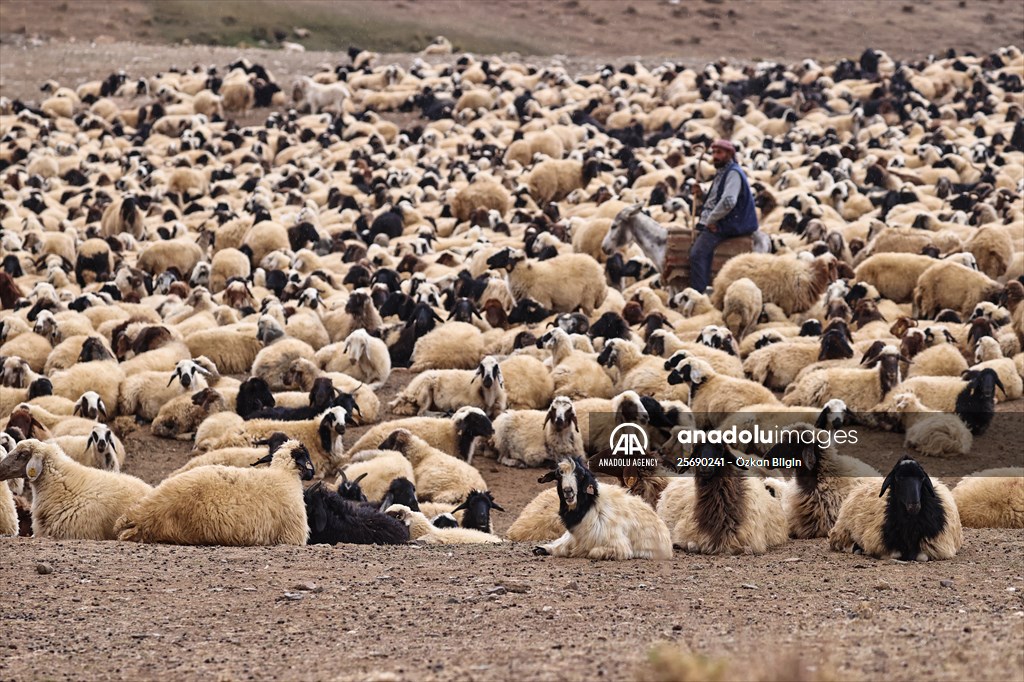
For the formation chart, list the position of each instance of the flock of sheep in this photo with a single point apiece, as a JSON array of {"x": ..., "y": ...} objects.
[{"x": 250, "y": 288}]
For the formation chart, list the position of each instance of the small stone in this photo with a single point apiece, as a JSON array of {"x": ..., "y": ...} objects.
[
  {"x": 497, "y": 590},
  {"x": 293, "y": 596},
  {"x": 305, "y": 587},
  {"x": 791, "y": 559},
  {"x": 749, "y": 586},
  {"x": 946, "y": 583},
  {"x": 43, "y": 568},
  {"x": 882, "y": 586},
  {"x": 452, "y": 600},
  {"x": 677, "y": 628}
]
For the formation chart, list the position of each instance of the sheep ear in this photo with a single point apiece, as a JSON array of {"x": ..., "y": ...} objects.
[
  {"x": 592, "y": 489},
  {"x": 575, "y": 422},
  {"x": 927, "y": 484},
  {"x": 887, "y": 482},
  {"x": 91, "y": 440},
  {"x": 547, "y": 418},
  {"x": 173, "y": 377},
  {"x": 461, "y": 507},
  {"x": 495, "y": 505},
  {"x": 388, "y": 500},
  {"x": 361, "y": 477},
  {"x": 78, "y": 409},
  {"x": 34, "y": 468},
  {"x": 263, "y": 460},
  {"x": 998, "y": 383},
  {"x": 549, "y": 477},
  {"x": 102, "y": 408},
  {"x": 949, "y": 337}
]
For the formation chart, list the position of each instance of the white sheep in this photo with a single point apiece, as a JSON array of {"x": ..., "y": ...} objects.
[
  {"x": 457, "y": 436},
  {"x": 101, "y": 449},
  {"x": 450, "y": 389},
  {"x": 741, "y": 307},
  {"x": 71, "y": 501},
  {"x": 218, "y": 505},
  {"x": 529, "y": 438},
  {"x": 562, "y": 284},
  {"x": 321, "y": 96},
  {"x": 993, "y": 498}
]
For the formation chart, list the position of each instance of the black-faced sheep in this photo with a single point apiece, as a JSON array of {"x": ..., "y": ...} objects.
[
  {"x": 602, "y": 521},
  {"x": 917, "y": 521},
  {"x": 334, "y": 520}
]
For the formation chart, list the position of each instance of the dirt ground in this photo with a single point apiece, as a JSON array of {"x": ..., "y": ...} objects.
[{"x": 125, "y": 611}]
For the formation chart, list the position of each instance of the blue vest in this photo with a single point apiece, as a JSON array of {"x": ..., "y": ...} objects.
[{"x": 742, "y": 219}]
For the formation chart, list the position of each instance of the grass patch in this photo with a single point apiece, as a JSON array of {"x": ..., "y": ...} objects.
[
  {"x": 670, "y": 663},
  {"x": 333, "y": 26}
]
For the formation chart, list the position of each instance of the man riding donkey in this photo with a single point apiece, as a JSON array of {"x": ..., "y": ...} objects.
[{"x": 728, "y": 212}]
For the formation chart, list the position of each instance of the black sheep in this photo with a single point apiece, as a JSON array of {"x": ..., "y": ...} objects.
[
  {"x": 976, "y": 403},
  {"x": 476, "y": 510},
  {"x": 913, "y": 511},
  {"x": 333, "y": 519},
  {"x": 253, "y": 395}
]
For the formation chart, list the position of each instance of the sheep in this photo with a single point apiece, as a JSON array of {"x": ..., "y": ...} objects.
[
  {"x": 71, "y": 501},
  {"x": 713, "y": 396},
  {"x": 439, "y": 476},
  {"x": 603, "y": 521},
  {"x": 367, "y": 359},
  {"x": 90, "y": 406},
  {"x": 573, "y": 374},
  {"x": 104, "y": 378},
  {"x": 233, "y": 349},
  {"x": 454, "y": 345},
  {"x": 938, "y": 434},
  {"x": 528, "y": 384},
  {"x": 476, "y": 510},
  {"x": 334, "y": 520},
  {"x": 741, "y": 307},
  {"x": 323, "y": 434},
  {"x": 180, "y": 254},
  {"x": 375, "y": 469},
  {"x": 860, "y": 389},
  {"x": 539, "y": 520},
  {"x": 553, "y": 179},
  {"x": 457, "y": 436},
  {"x": 529, "y": 438},
  {"x": 894, "y": 275},
  {"x": 450, "y": 389},
  {"x": 972, "y": 398},
  {"x": 947, "y": 284},
  {"x": 787, "y": 281},
  {"x": 422, "y": 531},
  {"x": 917, "y": 521},
  {"x": 942, "y": 359},
  {"x": 1013, "y": 384},
  {"x": 8, "y": 510},
  {"x": 718, "y": 511},
  {"x": 180, "y": 417},
  {"x": 101, "y": 449},
  {"x": 823, "y": 480},
  {"x": 484, "y": 193},
  {"x": 778, "y": 365},
  {"x": 637, "y": 372},
  {"x": 303, "y": 374},
  {"x": 277, "y": 358},
  {"x": 561, "y": 284},
  {"x": 218, "y": 505},
  {"x": 993, "y": 498}
]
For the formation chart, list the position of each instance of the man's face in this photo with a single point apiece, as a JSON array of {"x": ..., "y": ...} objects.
[{"x": 720, "y": 157}]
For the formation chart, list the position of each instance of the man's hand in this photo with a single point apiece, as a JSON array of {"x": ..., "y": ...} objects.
[
  {"x": 713, "y": 228},
  {"x": 697, "y": 191}
]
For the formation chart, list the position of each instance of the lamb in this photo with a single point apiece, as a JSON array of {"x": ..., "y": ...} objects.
[
  {"x": 993, "y": 498},
  {"x": 439, "y": 476},
  {"x": 424, "y": 532},
  {"x": 823, "y": 480},
  {"x": 603, "y": 521},
  {"x": 529, "y": 438},
  {"x": 562, "y": 284},
  {"x": 787, "y": 281},
  {"x": 218, "y": 505},
  {"x": 71, "y": 501},
  {"x": 375, "y": 469},
  {"x": 101, "y": 449},
  {"x": 457, "y": 436},
  {"x": 718, "y": 511},
  {"x": 713, "y": 396},
  {"x": 450, "y": 389},
  {"x": 917, "y": 521},
  {"x": 741, "y": 307},
  {"x": 947, "y": 284},
  {"x": 860, "y": 389},
  {"x": 323, "y": 434},
  {"x": 333, "y": 520}
]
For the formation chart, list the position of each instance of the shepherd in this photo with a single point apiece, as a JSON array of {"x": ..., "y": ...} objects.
[{"x": 728, "y": 212}]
